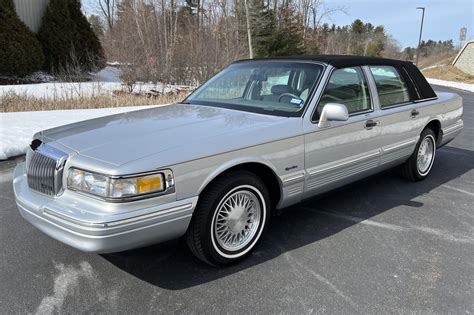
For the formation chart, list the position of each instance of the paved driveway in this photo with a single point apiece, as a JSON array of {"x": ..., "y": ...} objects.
[{"x": 380, "y": 245}]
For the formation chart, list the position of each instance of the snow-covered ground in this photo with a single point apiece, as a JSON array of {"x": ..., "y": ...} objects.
[
  {"x": 108, "y": 74},
  {"x": 104, "y": 82},
  {"x": 61, "y": 90},
  {"x": 457, "y": 85},
  {"x": 433, "y": 66},
  {"x": 17, "y": 129}
]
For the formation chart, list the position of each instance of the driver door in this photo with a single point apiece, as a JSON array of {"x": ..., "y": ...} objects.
[{"x": 345, "y": 150}]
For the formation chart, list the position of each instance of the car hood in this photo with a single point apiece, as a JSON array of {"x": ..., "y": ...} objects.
[{"x": 181, "y": 130}]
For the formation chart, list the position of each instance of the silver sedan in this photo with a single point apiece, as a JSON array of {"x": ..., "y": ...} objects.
[{"x": 261, "y": 135}]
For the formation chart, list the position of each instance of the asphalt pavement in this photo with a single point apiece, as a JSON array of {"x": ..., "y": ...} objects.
[{"x": 381, "y": 245}]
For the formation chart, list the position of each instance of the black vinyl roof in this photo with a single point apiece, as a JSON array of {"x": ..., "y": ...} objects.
[{"x": 339, "y": 61}]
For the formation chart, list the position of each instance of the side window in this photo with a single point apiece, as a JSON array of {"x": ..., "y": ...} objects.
[
  {"x": 391, "y": 88},
  {"x": 346, "y": 86}
]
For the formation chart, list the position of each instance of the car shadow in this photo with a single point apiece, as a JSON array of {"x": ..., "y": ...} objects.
[{"x": 171, "y": 265}]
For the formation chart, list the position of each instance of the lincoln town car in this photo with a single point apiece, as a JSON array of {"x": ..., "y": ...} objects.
[{"x": 261, "y": 135}]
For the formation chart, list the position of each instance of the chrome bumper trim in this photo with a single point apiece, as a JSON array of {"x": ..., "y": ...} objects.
[
  {"x": 57, "y": 216},
  {"x": 454, "y": 128}
]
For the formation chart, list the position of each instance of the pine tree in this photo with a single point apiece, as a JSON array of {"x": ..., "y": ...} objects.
[
  {"x": 68, "y": 39},
  {"x": 56, "y": 35},
  {"x": 358, "y": 35},
  {"x": 87, "y": 46},
  {"x": 96, "y": 25},
  {"x": 288, "y": 38},
  {"x": 376, "y": 45},
  {"x": 273, "y": 37},
  {"x": 263, "y": 24},
  {"x": 20, "y": 51}
]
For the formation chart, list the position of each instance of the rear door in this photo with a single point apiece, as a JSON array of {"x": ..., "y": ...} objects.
[
  {"x": 346, "y": 150},
  {"x": 401, "y": 119}
]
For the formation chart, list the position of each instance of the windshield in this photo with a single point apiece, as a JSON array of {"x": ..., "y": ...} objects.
[{"x": 275, "y": 88}]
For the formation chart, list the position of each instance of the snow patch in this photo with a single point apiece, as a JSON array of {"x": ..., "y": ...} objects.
[
  {"x": 456, "y": 85},
  {"x": 17, "y": 129},
  {"x": 432, "y": 67},
  {"x": 68, "y": 90},
  {"x": 103, "y": 82},
  {"x": 108, "y": 74}
]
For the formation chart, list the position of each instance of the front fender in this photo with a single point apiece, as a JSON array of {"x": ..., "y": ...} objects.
[{"x": 235, "y": 163}]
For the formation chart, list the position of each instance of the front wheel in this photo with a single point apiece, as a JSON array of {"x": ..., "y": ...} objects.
[
  {"x": 229, "y": 219},
  {"x": 418, "y": 166}
]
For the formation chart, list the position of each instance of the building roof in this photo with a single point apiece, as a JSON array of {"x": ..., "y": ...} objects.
[
  {"x": 339, "y": 61},
  {"x": 471, "y": 41}
]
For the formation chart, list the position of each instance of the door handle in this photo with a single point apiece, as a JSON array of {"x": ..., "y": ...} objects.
[
  {"x": 414, "y": 113},
  {"x": 369, "y": 124}
]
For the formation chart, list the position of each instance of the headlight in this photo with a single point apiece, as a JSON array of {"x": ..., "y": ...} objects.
[{"x": 121, "y": 187}]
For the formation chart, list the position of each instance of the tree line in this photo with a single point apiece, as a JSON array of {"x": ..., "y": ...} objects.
[
  {"x": 187, "y": 42},
  {"x": 430, "y": 48}
]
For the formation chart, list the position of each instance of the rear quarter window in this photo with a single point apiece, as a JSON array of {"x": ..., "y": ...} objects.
[{"x": 391, "y": 87}]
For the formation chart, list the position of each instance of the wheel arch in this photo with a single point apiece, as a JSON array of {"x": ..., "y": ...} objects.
[
  {"x": 435, "y": 125},
  {"x": 264, "y": 170}
]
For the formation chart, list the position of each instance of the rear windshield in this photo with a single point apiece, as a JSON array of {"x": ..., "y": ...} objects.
[{"x": 274, "y": 88}]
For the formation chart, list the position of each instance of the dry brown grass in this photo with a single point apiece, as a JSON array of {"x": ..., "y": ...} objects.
[
  {"x": 12, "y": 102},
  {"x": 449, "y": 73},
  {"x": 441, "y": 59}
]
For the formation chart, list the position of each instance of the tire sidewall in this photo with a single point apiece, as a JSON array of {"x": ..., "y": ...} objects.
[
  {"x": 427, "y": 133},
  {"x": 215, "y": 244},
  {"x": 248, "y": 182}
]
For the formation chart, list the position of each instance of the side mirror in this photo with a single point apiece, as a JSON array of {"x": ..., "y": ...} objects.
[{"x": 333, "y": 112}]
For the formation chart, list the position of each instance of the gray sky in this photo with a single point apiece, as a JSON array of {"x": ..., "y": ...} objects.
[{"x": 443, "y": 18}]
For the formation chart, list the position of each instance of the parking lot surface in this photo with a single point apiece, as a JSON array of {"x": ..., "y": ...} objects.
[{"x": 380, "y": 245}]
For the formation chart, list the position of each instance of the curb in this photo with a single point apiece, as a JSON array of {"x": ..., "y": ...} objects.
[{"x": 457, "y": 85}]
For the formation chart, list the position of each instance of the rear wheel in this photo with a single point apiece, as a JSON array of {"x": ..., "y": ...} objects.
[
  {"x": 229, "y": 219},
  {"x": 419, "y": 165}
]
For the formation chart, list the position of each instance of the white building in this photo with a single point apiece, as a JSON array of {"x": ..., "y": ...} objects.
[{"x": 31, "y": 12}]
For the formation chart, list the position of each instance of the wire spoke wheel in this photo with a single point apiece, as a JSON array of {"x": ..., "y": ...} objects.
[
  {"x": 419, "y": 164},
  {"x": 229, "y": 218},
  {"x": 237, "y": 220},
  {"x": 425, "y": 155}
]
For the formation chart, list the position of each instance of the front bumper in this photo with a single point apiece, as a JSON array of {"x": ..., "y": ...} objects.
[{"x": 96, "y": 226}]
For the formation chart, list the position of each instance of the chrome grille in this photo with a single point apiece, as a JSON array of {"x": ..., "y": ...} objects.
[{"x": 45, "y": 169}]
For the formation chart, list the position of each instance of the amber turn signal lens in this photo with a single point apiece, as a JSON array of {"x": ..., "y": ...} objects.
[{"x": 149, "y": 183}]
